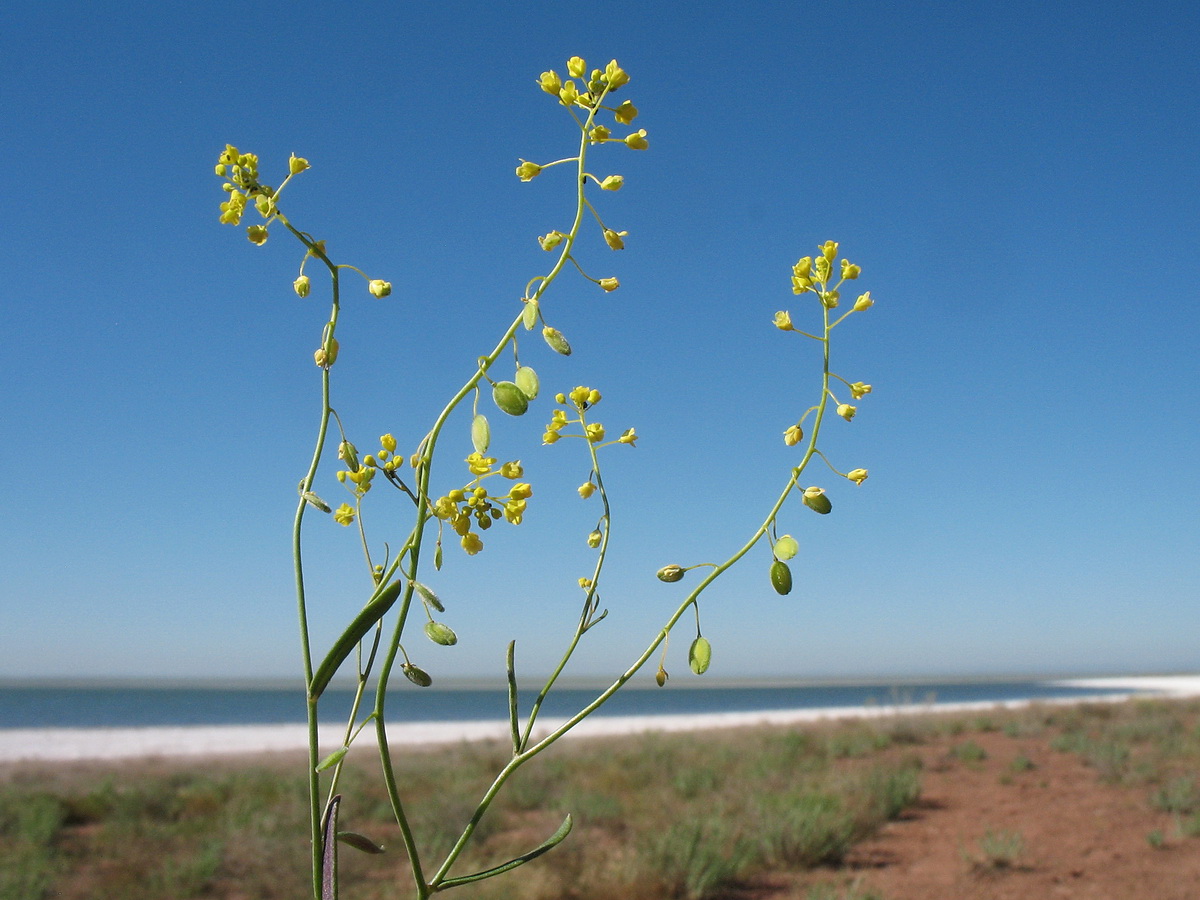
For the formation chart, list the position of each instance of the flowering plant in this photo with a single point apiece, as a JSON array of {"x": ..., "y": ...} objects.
[{"x": 399, "y": 600}]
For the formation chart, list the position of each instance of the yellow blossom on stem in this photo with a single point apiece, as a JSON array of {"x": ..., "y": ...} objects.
[
  {"x": 850, "y": 271},
  {"x": 471, "y": 543},
  {"x": 609, "y": 284},
  {"x": 858, "y": 390},
  {"x": 863, "y": 302},
  {"x": 344, "y": 514},
  {"x": 612, "y": 183},
  {"x": 625, "y": 113},
  {"x": 297, "y": 164},
  {"x": 846, "y": 411},
  {"x": 614, "y": 239},
  {"x": 512, "y": 470},
  {"x": 379, "y": 288},
  {"x": 586, "y": 489},
  {"x": 576, "y": 66},
  {"x": 615, "y": 75},
  {"x": 637, "y": 140},
  {"x": 858, "y": 476},
  {"x": 783, "y": 320},
  {"x": 527, "y": 171},
  {"x": 550, "y": 82},
  {"x": 257, "y": 234},
  {"x": 594, "y": 432},
  {"x": 628, "y": 436},
  {"x": 793, "y": 436},
  {"x": 302, "y": 286}
]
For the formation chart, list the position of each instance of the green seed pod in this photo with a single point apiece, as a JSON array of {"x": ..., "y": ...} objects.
[
  {"x": 527, "y": 381},
  {"x": 786, "y": 547},
  {"x": 661, "y": 676},
  {"x": 333, "y": 759},
  {"x": 428, "y": 595},
  {"x": 481, "y": 434},
  {"x": 417, "y": 676},
  {"x": 441, "y": 634},
  {"x": 700, "y": 655},
  {"x": 670, "y": 574},
  {"x": 815, "y": 499},
  {"x": 510, "y": 398},
  {"x": 348, "y": 453},
  {"x": 529, "y": 314},
  {"x": 316, "y": 501},
  {"x": 781, "y": 577},
  {"x": 557, "y": 342}
]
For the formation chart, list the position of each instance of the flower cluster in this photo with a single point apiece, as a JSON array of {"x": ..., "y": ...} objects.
[
  {"x": 243, "y": 187},
  {"x": 472, "y": 508}
]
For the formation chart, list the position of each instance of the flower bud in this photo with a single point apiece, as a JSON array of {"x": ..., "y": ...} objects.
[
  {"x": 557, "y": 342},
  {"x": 297, "y": 164},
  {"x": 388, "y": 443},
  {"x": 670, "y": 574},
  {"x": 257, "y": 234},
  {"x": 586, "y": 489},
  {"x": 625, "y": 113},
  {"x": 850, "y": 271},
  {"x": 793, "y": 436},
  {"x": 829, "y": 250},
  {"x": 569, "y": 93},
  {"x": 576, "y": 66},
  {"x": 551, "y": 240},
  {"x": 700, "y": 655},
  {"x": 613, "y": 239},
  {"x": 302, "y": 286},
  {"x": 661, "y": 676},
  {"x": 612, "y": 183},
  {"x": 814, "y": 498},
  {"x": 593, "y": 539},
  {"x": 609, "y": 284},
  {"x": 600, "y": 133},
  {"x": 379, "y": 288},
  {"x": 858, "y": 476},
  {"x": 863, "y": 302},
  {"x": 846, "y": 411},
  {"x": 858, "y": 390},
  {"x": 637, "y": 140},
  {"x": 510, "y": 398},
  {"x": 783, "y": 320}
]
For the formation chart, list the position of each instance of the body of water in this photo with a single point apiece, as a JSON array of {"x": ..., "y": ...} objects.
[{"x": 124, "y": 707}]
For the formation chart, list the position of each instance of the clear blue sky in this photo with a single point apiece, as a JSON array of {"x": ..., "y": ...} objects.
[{"x": 1018, "y": 180}]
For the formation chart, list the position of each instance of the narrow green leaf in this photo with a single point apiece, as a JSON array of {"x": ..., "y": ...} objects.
[
  {"x": 550, "y": 843},
  {"x": 333, "y": 759},
  {"x": 376, "y": 608},
  {"x": 359, "y": 842}
]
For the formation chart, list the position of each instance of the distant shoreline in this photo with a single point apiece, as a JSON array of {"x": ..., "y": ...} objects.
[{"x": 81, "y": 744}]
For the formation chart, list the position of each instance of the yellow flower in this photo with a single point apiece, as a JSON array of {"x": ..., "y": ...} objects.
[
  {"x": 569, "y": 93},
  {"x": 616, "y": 76},
  {"x": 858, "y": 390},
  {"x": 829, "y": 250},
  {"x": 576, "y": 66},
  {"x": 526, "y": 171},
  {"x": 514, "y": 511},
  {"x": 585, "y": 583},
  {"x": 586, "y": 489},
  {"x": 302, "y": 286},
  {"x": 850, "y": 271},
  {"x": 297, "y": 164},
  {"x": 858, "y": 476},
  {"x": 550, "y": 82},
  {"x": 388, "y": 443},
  {"x": 625, "y": 113},
  {"x": 380, "y": 288},
  {"x": 637, "y": 140},
  {"x": 512, "y": 470},
  {"x": 257, "y": 234},
  {"x": 803, "y": 268},
  {"x": 628, "y": 436},
  {"x": 613, "y": 238},
  {"x": 846, "y": 411},
  {"x": 600, "y": 133},
  {"x": 863, "y": 302},
  {"x": 609, "y": 284},
  {"x": 344, "y": 514},
  {"x": 551, "y": 240},
  {"x": 478, "y": 464},
  {"x": 783, "y": 320},
  {"x": 550, "y": 437},
  {"x": 793, "y": 436},
  {"x": 521, "y": 491},
  {"x": 612, "y": 183},
  {"x": 471, "y": 543},
  {"x": 594, "y": 432}
]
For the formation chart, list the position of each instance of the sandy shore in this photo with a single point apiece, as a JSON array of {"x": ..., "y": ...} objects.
[{"x": 65, "y": 744}]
